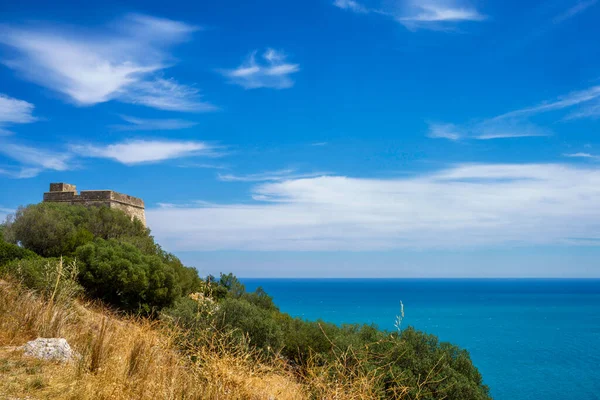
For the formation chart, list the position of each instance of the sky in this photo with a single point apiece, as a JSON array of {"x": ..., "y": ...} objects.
[{"x": 319, "y": 138}]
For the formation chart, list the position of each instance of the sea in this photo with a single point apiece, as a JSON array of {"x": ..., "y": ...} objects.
[{"x": 531, "y": 339}]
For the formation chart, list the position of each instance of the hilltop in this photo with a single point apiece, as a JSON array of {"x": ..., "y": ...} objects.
[{"x": 146, "y": 326}]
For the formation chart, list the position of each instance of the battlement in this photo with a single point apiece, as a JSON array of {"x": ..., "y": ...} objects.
[{"x": 66, "y": 193}]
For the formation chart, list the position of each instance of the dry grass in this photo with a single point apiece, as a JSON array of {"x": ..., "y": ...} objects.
[
  {"x": 121, "y": 358},
  {"x": 128, "y": 358}
]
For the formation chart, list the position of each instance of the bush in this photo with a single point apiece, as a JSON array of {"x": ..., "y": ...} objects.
[
  {"x": 10, "y": 252},
  {"x": 54, "y": 229},
  {"x": 121, "y": 275},
  {"x": 250, "y": 322},
  {"x": 123, "y": 264},
  {"x": 412, "y": 363},
  {"x": 53, "y": 278}
]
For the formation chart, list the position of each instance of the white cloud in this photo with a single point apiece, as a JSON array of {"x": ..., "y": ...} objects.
[
  {"x": 14, "y": 111},
  {"x": 583, "y": 103},
  {"x": 591, "y": 110},
  {"x": 120, "y": 62},
  {"x": 350, "y": 5},
  {"x": 486, "y": 130},
  {"x": 574, "y": 10},
  {"x": 462, "y": 206},
  {"x": 437, "y": 14},
  {"x": 273, "y": 72},
  {"x": 33, "y": 160},
  {"x": 420, "y": 14},
  {"x": 280, "y": 175},
  {"x": 144, "y": 151},
  {"x": 167, "y": 94},
  {"x": 444, "y": 131},
  {"x": 572, "y": 99},
  {"x": 582, "y": 155},
  {"x": 141, "y": 124}
]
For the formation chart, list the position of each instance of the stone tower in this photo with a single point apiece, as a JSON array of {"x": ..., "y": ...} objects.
[{"x": 66, "y": 193}]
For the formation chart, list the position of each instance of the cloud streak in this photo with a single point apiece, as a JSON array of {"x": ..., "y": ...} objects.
[
  {"x": 420, "y": 14},
  {"x": 14, "y": 111},
  {"x": 579, "y": 104},
  {"x": 121, "y": 62},
  {"x": 269, "y": 70},
  {"x": 135, "y": 152},
  {"x": 582, "y": 155},
  {"x": 279, "y": 175},
  {"x": 33, "y": 160},
  {"x": 467, "y": 205},
  {"x": 141, "y": 124},
  {"x": 578, "y": 8}
]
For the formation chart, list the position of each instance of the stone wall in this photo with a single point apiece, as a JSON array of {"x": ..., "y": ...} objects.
[{"x": 66, "y": 193}]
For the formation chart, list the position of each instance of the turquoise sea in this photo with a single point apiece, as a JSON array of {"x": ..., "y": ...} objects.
[{"x": 532, "y": 339}]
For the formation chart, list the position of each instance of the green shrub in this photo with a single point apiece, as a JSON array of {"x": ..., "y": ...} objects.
[
  {"x": 53, "y": 278},
  {"x": 10, "y": 252},
  {"x": 31, "y": 272},
  {"x": 121, "y": 275},
  {"x": 54, "y": 229},
  {"x": 251, "y": 322},
  {"x": 412, "y": 360},
  {"x": 151, "y": 279}
]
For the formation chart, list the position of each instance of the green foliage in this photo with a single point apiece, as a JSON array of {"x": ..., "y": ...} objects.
[
  {"x": 10, "y": 252},
  {"x": 53, "y": 278},
  {"x": 235, "y": 288},
  {"x": 121, "y": 263},
  {"x": 29, "y": 271},
  {"x": 54, "y": 229},
  {"x": 412, "y": 359},
  {"x": 187, "y": 314},
  {"x": 121, "y": 275},
  {"x": 250, "y": 322}
]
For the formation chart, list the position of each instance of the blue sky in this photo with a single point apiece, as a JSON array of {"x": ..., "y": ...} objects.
[{"x": 338, "y": 138}]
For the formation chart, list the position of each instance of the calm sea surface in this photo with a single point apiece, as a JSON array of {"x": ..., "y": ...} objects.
[{"x": 531, "y": 339}]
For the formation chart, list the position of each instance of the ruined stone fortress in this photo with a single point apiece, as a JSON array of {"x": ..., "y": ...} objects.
[{"x": 66, "y": 193}]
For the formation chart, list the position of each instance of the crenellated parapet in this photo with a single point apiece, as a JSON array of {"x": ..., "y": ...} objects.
[{"x": 66, "y": 193}]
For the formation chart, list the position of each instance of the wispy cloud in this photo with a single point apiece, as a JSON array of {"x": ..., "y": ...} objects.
[
  {"x": 420, "y": 14},
  {"x": 582, "y": 155},
  {"x": 570, "y": 100},
  {"x": 202, "y": 165},
  {"x": 444, "y": 131},
  {"x": 167, "y": 94},
  {"x": 271, "y": 71},
  {"x": 461, "y": 206},
  {"x": 14, "y": 111},
  {"x": 578, "y": 8},
  {"x": 351, "y": 5},
  {"x": 319, "y": 144},
  {"x": 437, "y": 14},
  {"x": 119, "y": 62},
  {"x": 279, "y": 175},
  {"x": 141, "y": 124},
  {"x": 144, "y": 151},
  {"x": 32, "y": 160},
  {"x": 578, "y": 104},
  {"x": 486, "y": 130}
]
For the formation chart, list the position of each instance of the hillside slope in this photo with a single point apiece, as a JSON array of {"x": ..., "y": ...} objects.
[{"x": 121, "y": 358}]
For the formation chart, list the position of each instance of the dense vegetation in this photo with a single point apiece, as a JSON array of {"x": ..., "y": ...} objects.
[{"x": 118, "y": 262}]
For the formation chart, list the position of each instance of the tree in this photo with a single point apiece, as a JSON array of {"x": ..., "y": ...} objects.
[{"x": 121, "y": 275}]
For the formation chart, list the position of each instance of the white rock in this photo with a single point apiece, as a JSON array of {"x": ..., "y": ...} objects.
[{"x": 53, "y": 349}]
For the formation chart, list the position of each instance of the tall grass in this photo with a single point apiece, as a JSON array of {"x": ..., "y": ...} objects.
[{"x": 136, "y": 358}]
